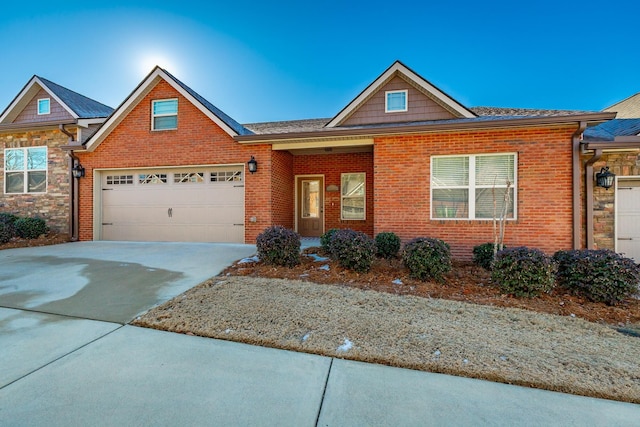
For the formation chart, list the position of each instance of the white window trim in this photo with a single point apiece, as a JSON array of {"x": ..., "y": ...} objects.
[
  {"x": 26, "y": 171},
  {"x": 153, "y": 116},
  {"x": 364, "y": 197},
  {"x": 48, "y": 106},
  {"x": 386, "y": 101},
  {"x": 472, "y": 187}
]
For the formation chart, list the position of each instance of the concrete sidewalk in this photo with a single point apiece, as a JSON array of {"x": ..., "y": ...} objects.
[
  {"x": 135, "y": 376},
  {"x": 69, "y": 358}
]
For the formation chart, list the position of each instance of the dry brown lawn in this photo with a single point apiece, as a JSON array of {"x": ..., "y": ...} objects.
[{"x": 364, "y": 319}]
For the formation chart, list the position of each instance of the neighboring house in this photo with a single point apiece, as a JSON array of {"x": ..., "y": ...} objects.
[
  {"x": 35, "y": 171},
  {"x": 613, "y": 215},
  {"x": 403, "y": 156}
]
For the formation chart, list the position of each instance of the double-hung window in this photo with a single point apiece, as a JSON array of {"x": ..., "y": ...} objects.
[
  {"x": 353, "y": 196},
  {"x": 164, "y": 114},
  {"x": 25, "y": 170},
  {"x": 473, "y": 186}
]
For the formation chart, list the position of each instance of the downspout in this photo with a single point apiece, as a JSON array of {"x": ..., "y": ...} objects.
[
  {"x": 588, "y": 174},
  {"x": 576, "y": 138},
  {"x": 73, "y": 190}
]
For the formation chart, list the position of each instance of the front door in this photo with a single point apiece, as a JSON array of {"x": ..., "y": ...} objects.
[
  {"x": 310, "y": 211},
  {"x": 628, "y": 218}
]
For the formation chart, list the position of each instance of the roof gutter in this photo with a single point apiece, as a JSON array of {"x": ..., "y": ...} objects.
[
  {"x": 10, "y": 127},
  {"x": 328, "y": 133},
  {"x": 74, "y": 190},
  {"x": 575, "y": 179},
  {"x": 588, "y": 175}
]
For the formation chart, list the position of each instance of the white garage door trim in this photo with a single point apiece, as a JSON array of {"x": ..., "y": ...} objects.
[
  {"x": 148, "y": 190},
  {"x": 628, "y": 240}
]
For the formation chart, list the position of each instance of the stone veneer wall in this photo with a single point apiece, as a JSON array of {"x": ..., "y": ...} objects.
[
  {"x": 622, "y": 164},
  {"x": 52, "y": 206}
]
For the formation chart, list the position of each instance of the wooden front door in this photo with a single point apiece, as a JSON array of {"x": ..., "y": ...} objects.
[{"x": 310, "y": 211}]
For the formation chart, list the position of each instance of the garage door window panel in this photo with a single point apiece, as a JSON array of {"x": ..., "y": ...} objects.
[
  {"x": 192, "y": 177},
  {"x": 25, "y": 170},
  {"x": 152, "y": 178},
  {"x": 226, "y": 176},
  {"x": 164, "y": 114}
]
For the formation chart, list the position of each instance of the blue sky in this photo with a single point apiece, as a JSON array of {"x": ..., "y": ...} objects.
[{"x": 266, "y": 61}]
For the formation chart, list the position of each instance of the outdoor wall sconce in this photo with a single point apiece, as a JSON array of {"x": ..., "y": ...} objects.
[
  {"x": 77, "y": 171},
  {"x": 253, "y": 165},
  {"x": 604, "y": 178}
]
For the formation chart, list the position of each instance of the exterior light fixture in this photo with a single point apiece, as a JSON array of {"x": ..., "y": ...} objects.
[
  {"x": 77, "y": 171},
  {"x": 604, "y": 178},
  {"x": 253, "y": 165}
]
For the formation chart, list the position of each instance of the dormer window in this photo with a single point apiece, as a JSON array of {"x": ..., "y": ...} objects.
[
  {"x": 164, "y": 114},
  {"x": 395, "y": 101},
  {"x": 44, "y": 106}
]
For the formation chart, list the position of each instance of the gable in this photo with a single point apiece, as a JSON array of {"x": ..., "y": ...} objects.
[
  {"x": 156, "y": 77},
  {"x": 29, "y": 113},
  {"x": 628, "y": 108},
  {"x": 424, "y": 101},
  {"x": 420, "y": 106}
]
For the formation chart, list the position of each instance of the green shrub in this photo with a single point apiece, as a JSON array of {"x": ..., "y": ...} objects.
[
  {"x": 387, "y": 245},
  {"x": 30, "y": 228},
  {"x": 7, "y": 232},
  {"x": 523, "y": 272},
  {"x": 325, "y": 239},
  {"x": 7, "y": 218},
  {"x": 7, "y": 227},
  {"x": 483, "y": 255},
  {"x": 279, "y": 246},
  {"x": 352, "y": 249},
  {"x": 599, "y": 275},
  {"x": 427, "y": 258}
]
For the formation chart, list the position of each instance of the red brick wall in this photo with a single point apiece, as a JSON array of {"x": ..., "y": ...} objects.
[
  {"x": 282, "y": 189},
  {"x": 402, "y": 194},
  {"x": 332, "y": 166},
  {"x": 197, "y": 141}
]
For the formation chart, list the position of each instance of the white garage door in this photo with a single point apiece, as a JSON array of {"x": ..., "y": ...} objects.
[
  {"x": 628, "y": 218},
  {"x": 203, "y": 204}
]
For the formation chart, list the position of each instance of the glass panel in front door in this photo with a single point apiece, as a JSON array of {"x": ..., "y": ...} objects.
[{"x": 311, "y": 199}]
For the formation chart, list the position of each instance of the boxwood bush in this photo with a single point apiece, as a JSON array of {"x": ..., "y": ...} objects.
[
  {"x": 483, "y": 255},
  {"x": 279, "y": 246},
  {"x": 387, "y": 245},
  {"x": 599, "y": 275},
  {"x": 427, "y": 258},
  {"x": 523, "y": 272},
  {"x": 325, "y": 240},
  {"x": 352, "y": 249},
  {"x": 7, "y": 227},
  {"x": 30, "y": 228}
]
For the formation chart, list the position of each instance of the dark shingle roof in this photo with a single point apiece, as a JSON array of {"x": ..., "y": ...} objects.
[
  {"x": 237, "y": 127},
  {"x": 85, "y": 108},
  {"x": 524, "y": 112},
  {"x": 608, "y": 131},
  {"x": 484, "y": 114},
  {"x": 307, "y": 125}
]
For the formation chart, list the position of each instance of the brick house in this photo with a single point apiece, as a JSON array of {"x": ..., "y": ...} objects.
[
  {"x": 403, "y": 156},
  {"x": 35, "y": 171}
]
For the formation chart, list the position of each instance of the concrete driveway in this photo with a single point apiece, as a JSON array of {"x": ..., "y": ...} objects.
[
  {"x": 68, "y": 358},
  {"x": 109, "y": 281}
]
